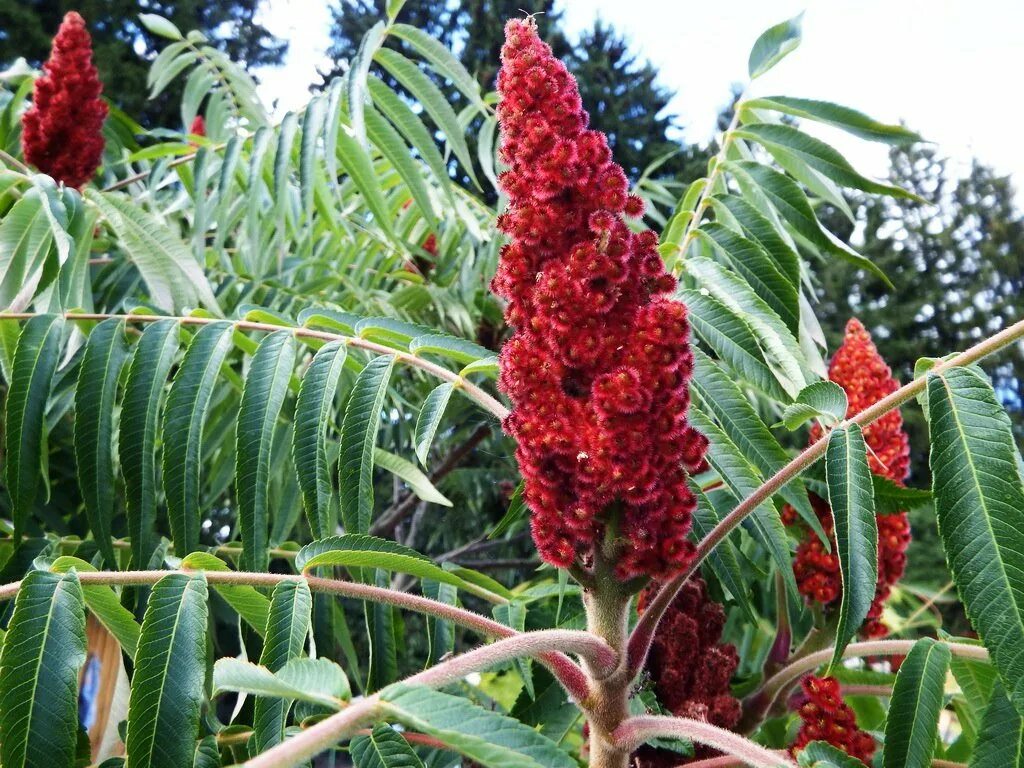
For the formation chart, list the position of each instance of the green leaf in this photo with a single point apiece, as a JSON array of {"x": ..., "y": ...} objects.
[
  {"x": 265, "y": 388},
  {"x": 774, "y": 44},
  {"x": 979, "y": 504},
  {"x": 722, "y": 559},
  {"x": 780, "y": 348},
  {"x": 752, "y": 262},
  {"x": 787, "y": 198},
  {"x": 383, "y": 748},
  {"x": 729, "y": 335},
  {"x": 137, "y": 438},
  {"x": 849, "y": 120},
  {"x": 412, "y": 128},
  {"x": 442, "y": 60},
  {"x": 824, "y": 400},
  {"x": 247, "y": 601},
  {"x": 184, "y": 417},
  {"x": 43, "y": 651},
  {"x": 313, "y": 416},
  {"x": 312, "y": 125},
  {"x": 851, "y": 496},
  {"x": 720, "y": 395},
  {"x": 482, "y": 735},
  {"x": 380, "y": 618},
  {"x": 26, "y": 240},
  {"x": 418, "y": 482},
  {"x": 386, "y": 139},
  {"x": 743, "y": 479},
  {"x": 917, "y": 699},
  {"x": 1001, "y": 740},
  {"x": 105, "y": 353},
  {"x": 35, "y": 361},
  {"x": 517, "y": 510},
  {"x": 433, "y": 101},
  {"x": 758, "y": 228},
  {"x": 167, "y": 687},
  {"x": 430, "y": 419},
  {"x": 362, "y": 551},
  {"x": 357, "y": 164},
  {"x": 891, "y": 498},
  {"x": 160, "y": 26},
  {"x": 317, "y": 681},
  {"x": 105, "y": 605},
  {"x": 460, "y": 350},
  {"x": 362, "y": 418},
  {"x": 358, "y": 71},
  {"x": 821, "y": 754},
  {"x": 287, "y": 626},
  {"x": 819, "y": 156},
  {"x": 174, "y": 278}
]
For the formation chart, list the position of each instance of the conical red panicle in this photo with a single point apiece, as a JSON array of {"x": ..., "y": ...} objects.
[
  {"x": 63, "y": 130},
  {"x": 862, "y": 373},
  {"x": 826, "y": 717},
  {"x": 598, "y": 367},
  {"x": 690, "y": 667}
]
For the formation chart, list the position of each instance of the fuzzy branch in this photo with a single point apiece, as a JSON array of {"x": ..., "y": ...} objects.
[{"x": 643, "y": 634}]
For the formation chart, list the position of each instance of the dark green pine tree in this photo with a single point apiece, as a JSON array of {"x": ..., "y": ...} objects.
[
  {"x": 123, "y": 47},
  {"x": 621, "y": 92}
]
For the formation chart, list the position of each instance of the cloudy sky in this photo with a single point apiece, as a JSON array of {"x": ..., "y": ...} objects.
[{"x": 950, "y": 68}]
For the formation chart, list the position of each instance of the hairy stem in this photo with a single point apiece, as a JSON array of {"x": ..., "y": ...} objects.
[
  {"x": 643, "y": 634},
  {"x": 329, "y": 732},
  {"x": 639, "y": 730},
  {"x": 568, "y": 673},
  {"x": 759, "y": 703},
  {"x": 472, "y": 391}
]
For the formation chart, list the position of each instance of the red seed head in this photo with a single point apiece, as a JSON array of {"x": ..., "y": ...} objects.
[
  {"x": 826, "y": 717},
  {"x": 598, "y": 366},
  {"x": 198, "y": 127},
  {"x": 63, "y": 130}
]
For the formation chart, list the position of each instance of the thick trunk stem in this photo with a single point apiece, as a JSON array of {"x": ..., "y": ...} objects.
[{"x": 608, "y": 704}]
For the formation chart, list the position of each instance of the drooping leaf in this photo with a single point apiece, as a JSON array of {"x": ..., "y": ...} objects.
[
  {"x": 309, "y": 448},
  {"x": 1001, "y": 739},
  {"x": 821, "y": 754},
  {"x": 418, "y": 482},
  {"x": 137, "y": 439},
  {"x": 105, "y": 355},
  {"x": 317, "y": 681},
  {"x": 979, "y": 504},
  {"x": 356, "y": 162},
  {"x": 383, "y": 748},
  {"x": 105, "y": 605},
  {"x": 382, "y": 667},
  {"x": 35, "y": 362},
  {"x": 287, "y": 626},
  {"x": 187, "y": 406},
  {"x": 430, "y": 419},
  {"x": 912, "y": 723},
  {"x": 386, "y": 139},
  {"x": 262, "y": 398},
  {"x": 851, "y": 496},
  {"x": 358, "y": 71},
  {"x": 43, "y": 651},
  {"x": 442, "y": 60},
  {"x": 167, "y": 687},
  {"x": 723, "y": 558},
  {"x": 362, "y": 417}
]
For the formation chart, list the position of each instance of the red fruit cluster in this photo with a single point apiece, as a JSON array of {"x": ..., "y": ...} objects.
[
  {"x": 198, "y": 127},
  {"x": 598, "y": 367},
  {"x": 862, "y": 373},
  {"x": 826, "y": 717},
  {"x": 63, "y": 130},
  {"x": 690, "y": 667}
]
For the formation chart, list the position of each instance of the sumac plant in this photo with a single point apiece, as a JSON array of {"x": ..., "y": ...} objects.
[{"x": 269, "y": 385}]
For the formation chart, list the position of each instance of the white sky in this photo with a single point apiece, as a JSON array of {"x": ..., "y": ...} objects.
[{"x": 950, "y": 68}]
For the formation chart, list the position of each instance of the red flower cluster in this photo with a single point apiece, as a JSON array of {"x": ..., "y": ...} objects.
[
  {"x": 826, "y": 717},
  {"x": 63, "y": 130},
  {"x": 689, "y": 666},
  {"x": 598, "y": 367},
  {"x": 862, "y": 373},
  {"x": 198, "y": 127}
]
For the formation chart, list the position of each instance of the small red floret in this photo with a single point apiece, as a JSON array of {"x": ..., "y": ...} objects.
[{"x": 63, "y": 129}]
